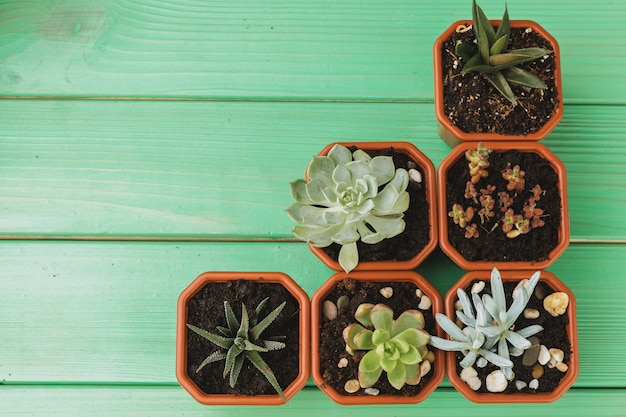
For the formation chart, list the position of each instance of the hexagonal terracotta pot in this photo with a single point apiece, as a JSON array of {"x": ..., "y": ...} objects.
[
  {"x": 183, "y": 333},
  {"x": 569, "y": 377},
  {"x": 338, "y": 394},
  {"x": 428, "y": 170},
  {"x": 446, "y": 225},
  {"x": 451, "y": 133}
]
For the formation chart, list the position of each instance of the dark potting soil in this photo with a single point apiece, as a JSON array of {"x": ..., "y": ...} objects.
[
  {"x": 333, "y": 347},
  {"x": 553, "y": 335},
  {"x": 206, "y": 310},
  {"x": 416, "y": 234},
  {"x": 474, "y": 105},
  {"x": 494, "y": 245}
]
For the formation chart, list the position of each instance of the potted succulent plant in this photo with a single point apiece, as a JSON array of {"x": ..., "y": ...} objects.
[
  {"x": 513, "y": 338},
  {"x": 367, "y": 206},
  {"x": 242, "y": 338},
  {"x": 369, "y": 333},
  {"x": 502, "y": 205},
  {"x": 496, "y": 80}
]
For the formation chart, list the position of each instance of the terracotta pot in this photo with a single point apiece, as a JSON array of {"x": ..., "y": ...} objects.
[
  {"x": 429, "y": 182},
  {"x": 317, "y": 346},
  {"x": 541, "y": 397},
  {"x": 453, "y": 135},
  {"x": 445, "y": 206},
  {"x": 182, "y": 334}
]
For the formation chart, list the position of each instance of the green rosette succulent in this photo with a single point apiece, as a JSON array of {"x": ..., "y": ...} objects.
[
  {"x": 491, "y": 56},
  {"x": 349, "y": 197},
  {"x": 394, "y": 346}
]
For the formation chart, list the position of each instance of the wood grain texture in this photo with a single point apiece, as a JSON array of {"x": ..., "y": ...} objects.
[
  {"x": 283, "y": 50},
  {"x": 208, "y": 170},
  {"x": 104, "y": 313},
  {"x": 170, "y": 401}
]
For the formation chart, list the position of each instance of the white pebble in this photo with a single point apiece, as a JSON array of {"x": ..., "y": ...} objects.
[
  {"x": 418, "y": 293},
  {"x": 557, "y": 354},
  {"x": 544, "y": 355},
  {"x": 518, "y": 286},
  {"x": 467, "y": 373},
  {"x": 496, "y": 381},
  {"x": 520, "y": 385},
  {"x": 424, "y": 368},
  {"x": 330, "y": 310},
  {"x": 386, "y": 292},
  {"x": 372, "y": 391},
  {"x": 534, "y": 384},
  {"x": 531, "y": 313},
  {"x": 425, "y": 303},
  {"x": 343, "y": 362},
  {"x": 474, "y": 383},
  {"x": 415, "y": 176},
  {"x": 478, "y": 287},
  {"x": 481, "y": 362},
  {"x": 561, "y": 366},
  {"x": 556, "y": 303},
  {"x": 528, "y": 30}
]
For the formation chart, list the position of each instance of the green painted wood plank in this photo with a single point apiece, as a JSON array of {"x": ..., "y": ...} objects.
[
  {"x": 210, "y": 170},
  {"x": 68, "y": 401},
  {"x": 88, "y": 312},
  {"x": 297, "y": 50}
]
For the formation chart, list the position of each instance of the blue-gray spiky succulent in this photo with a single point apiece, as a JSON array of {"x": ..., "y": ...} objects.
[{"x": 489, "y": 326}]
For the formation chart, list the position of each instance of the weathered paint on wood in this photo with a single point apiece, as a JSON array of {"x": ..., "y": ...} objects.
[
  {"x": 297, "y": 50},
  {"x": 209, "y": 170}
]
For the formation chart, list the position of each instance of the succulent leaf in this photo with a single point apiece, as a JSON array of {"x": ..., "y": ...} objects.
[
  {"x": 241, "y": 342},
  {"x": 392, "y": 346},
  {"x": 494, "y": 60},
  {"x": 349, "y": 197},
  {"x": 493, "y": 325}
]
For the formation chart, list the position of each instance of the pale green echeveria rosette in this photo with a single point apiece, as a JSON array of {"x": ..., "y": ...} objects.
[
  {"x": 394, "y": 346},
  {"x": 341, "y": 202}
]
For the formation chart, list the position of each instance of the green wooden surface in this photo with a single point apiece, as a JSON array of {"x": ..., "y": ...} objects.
[
  {"x": 292, "y": 50},
  {"x": 143, "y": 142},
  {"x": 206, "y": 170}
]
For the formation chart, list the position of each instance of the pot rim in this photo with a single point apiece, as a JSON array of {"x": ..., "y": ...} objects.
[
  {"x": 564, "y": 227},
  {"x": 544, "y": 397},
  {"x": 304, "y": 361},
  {"x": 431, "y": 196},
  {"x": 374, "y": 276},
  {"x": 450, "y": 133}
]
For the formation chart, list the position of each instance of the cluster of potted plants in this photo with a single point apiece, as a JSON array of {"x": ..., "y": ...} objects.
[{"x": 377, "y": 331}]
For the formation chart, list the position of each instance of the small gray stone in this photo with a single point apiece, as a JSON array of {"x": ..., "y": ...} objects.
[
  {"x": 481, "y": 362},
  {"x": 520, "y": 385},
  {"x": 330, "y": 310},
  {"x": 532, "y": 353},
  {"x": 544, "y": 355},
  {"x": 425, "y": 303},
  {"x": 534, "y": 384},
  {"x": 371, "y": 391},
  {"x": 531, "y": 313},
  {"x": 415, "y": 175}
]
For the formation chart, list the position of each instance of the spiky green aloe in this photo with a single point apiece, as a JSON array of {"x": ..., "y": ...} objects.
[
  {"x": 242, "y": 340},
  {"x": 494, "y": 60},
  {"x": 395, "y": 346}
]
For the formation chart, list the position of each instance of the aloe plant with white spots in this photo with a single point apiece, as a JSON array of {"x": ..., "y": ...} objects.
[
  {"x": 350, "y": 196},
  {"x": 489, "y": 326},
  {"x": 491, "y": 57},
  {"x": 394, "y": 346},
  {"x": 242, "y": 339}
]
